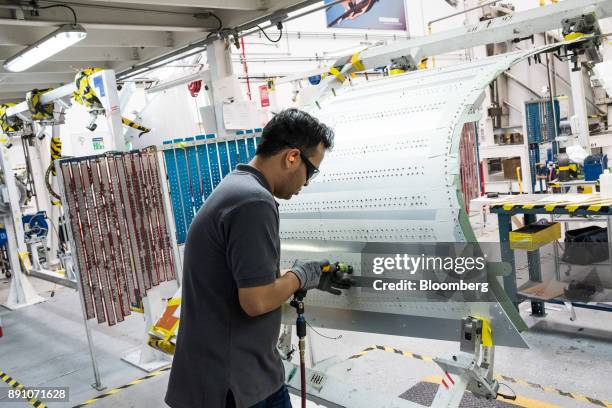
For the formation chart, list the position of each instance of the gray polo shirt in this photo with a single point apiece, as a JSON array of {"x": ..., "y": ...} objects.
[{"x": 232, "y": 243}]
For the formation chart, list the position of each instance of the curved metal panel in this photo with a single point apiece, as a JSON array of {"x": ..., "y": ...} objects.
[{"x": 392, "y": 177}]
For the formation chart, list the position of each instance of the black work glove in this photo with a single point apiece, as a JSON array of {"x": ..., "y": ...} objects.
[
  {"x": 334, "y": 280},
  {"x": 308, "y": 272}
]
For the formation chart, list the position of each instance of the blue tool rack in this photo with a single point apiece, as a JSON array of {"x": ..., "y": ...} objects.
[
  {"x": 540, "y": 123},
  {"x": 195, "y": 166}
]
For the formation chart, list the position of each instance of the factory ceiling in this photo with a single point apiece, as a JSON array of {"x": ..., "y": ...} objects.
[{"x": 121, "y": 34}]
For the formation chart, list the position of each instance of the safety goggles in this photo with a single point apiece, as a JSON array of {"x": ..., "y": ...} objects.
[{"x": 311, "y": 169}]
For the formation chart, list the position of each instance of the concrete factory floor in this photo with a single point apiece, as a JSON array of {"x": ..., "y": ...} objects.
[{"x": 567, "y": 364}]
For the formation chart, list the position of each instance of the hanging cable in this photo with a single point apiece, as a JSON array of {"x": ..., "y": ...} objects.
[
  {"x": 60, "y": 5},
  {"x": 338, "y": 337},
  {"x": 509, "y": 397},
  {"x": 245, "y": 67},
  {"x": 48, "y": 184},
  {"x": 216, "y": 17},
  {"x": 29, "y": 180},
  {"x": 280, "y": 35}
]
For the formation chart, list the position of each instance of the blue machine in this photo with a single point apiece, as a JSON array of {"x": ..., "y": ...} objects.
[
  {"x": 3, "y": 237},
  {"x": 594, "y": 166},
  {"x": 35, "y": 225},
  {"x": 314, "y": 79}
]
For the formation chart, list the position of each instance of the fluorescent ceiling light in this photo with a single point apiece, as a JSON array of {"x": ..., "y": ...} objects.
[{"x": 60, "y": 39}]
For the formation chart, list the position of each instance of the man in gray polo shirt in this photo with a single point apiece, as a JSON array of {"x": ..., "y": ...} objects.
[{"x": 233, "y": 288}]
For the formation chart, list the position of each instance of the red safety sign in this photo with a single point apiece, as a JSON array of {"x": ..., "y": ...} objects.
[{"x": 264, "y": 96}]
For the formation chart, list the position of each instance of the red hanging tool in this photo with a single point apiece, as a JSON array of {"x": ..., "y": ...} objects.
[{"x": 195, "y": 87}]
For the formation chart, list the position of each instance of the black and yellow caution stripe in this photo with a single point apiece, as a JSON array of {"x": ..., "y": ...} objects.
[
  {"x": 38, "y": 111},
  {"x": 553, "y": 390},
  {"x": 123, "y": 387},
  {"x": 388, "y": 349},
  {"x": 86, "y": 96},
  {"x": 595, "y": 205},
  {"x": 56, "y": 151},
  {"x": 135, "y": 125},
  {"x": 9, "y": 126},
  {"x": 16, "y": 385}
]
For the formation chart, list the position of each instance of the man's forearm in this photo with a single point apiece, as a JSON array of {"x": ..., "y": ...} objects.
[{"x": 263, "y": 299}]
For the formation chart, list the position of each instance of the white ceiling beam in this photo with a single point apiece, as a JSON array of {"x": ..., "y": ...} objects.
[
  {"x": 27, "y": 78},
  {"x": 23, "y": 36},
  {"x": 100, "y": 17},
  {"x": 235, "y": 19},
  {"x": 107, "y": 26},
  {"x": 98, "y": 26},
  {"x": 53, "y": 67},
  {"x": 11, "y": 96},
  {"x": 91, "y": 54},
  {"x": 240, "y": 5},
  {"x": 27, "y": 87}
]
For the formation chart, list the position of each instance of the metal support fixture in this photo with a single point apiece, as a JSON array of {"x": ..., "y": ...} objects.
[
  {"x": 551, "y": 97},
  {"x": 430, "y": 23},
  {"x": 105, "y": 85},
  {"x": 507, "y": 255},
  {"x": 54, "y": 212},
  {"x": 571, "y": 309},
  {"x": 471, "y": 369},
  {"x": 145, "y": 357},
  {"x": 21, "y": 292},
  {"x": 40, "y": 160},
  {"x": 609, "y": 222},
  {"x": 580, "y": 119},
  {"x": 220, "y": 67},
  {"x": 500, "y": 29},
  {"x": 535, "y": 272},
  {"x": 200, "y": 75},
  {"x": 490, "y": 3},
  {"x": 556, "y": 255}
]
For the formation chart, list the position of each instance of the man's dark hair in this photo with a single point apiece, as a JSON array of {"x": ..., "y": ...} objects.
[{"x": 296, "y": 129}]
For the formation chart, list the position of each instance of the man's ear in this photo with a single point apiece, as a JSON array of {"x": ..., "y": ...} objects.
[{"x": 292, "y": 156}]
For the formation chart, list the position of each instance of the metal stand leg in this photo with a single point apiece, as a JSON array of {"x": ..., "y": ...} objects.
[
  {"x": 535, "y": 271},
  {"x": 94, "y": 364},
  {"x": 556, "y": 255},
  {"x": 610, "y": 243},
  {"x": 507, "y": 255},
  {"x": 572, "y": 311}
]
